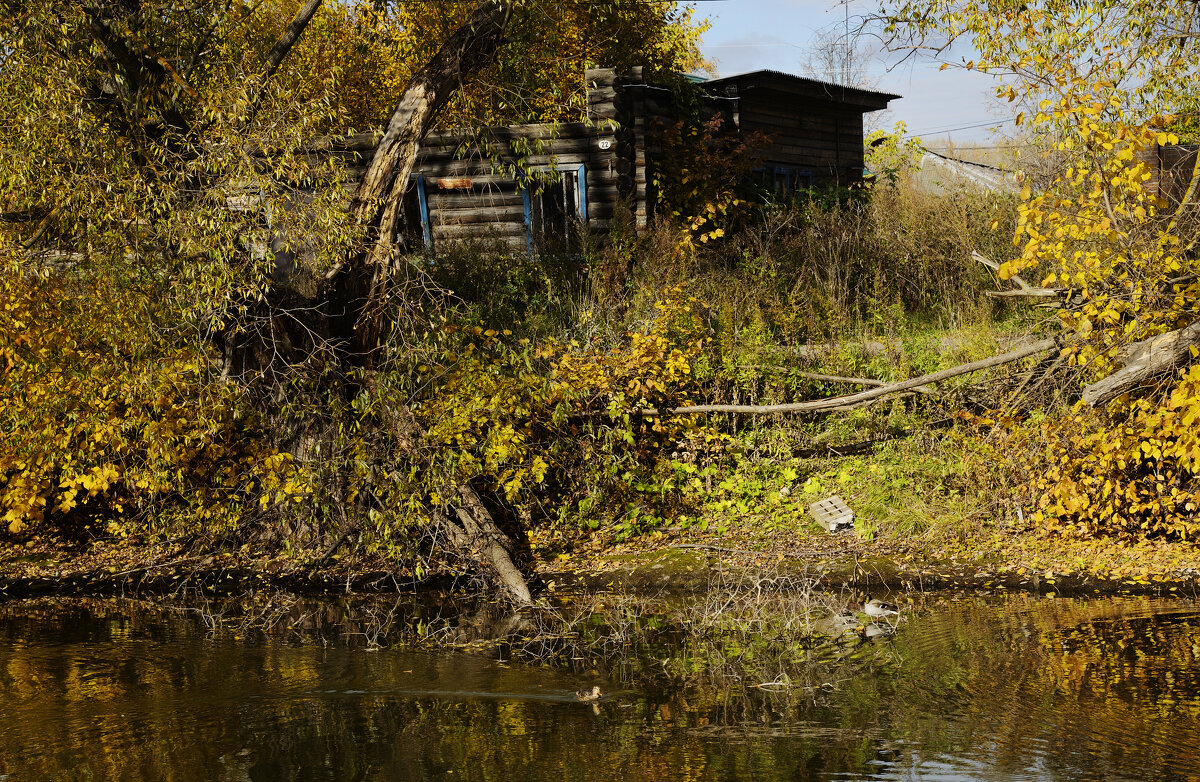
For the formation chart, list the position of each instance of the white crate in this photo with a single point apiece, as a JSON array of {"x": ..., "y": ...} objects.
[{"x": 832, "y": 513}]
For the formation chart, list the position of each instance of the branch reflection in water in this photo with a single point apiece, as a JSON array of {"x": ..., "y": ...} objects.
[{"x": 759, "y": 678}]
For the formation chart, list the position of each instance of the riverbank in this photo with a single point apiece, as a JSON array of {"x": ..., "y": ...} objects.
[{"x": 672, "y": 561}]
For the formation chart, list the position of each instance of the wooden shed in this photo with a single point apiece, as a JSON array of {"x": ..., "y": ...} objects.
[
  {"x": 1170, "y": 167},
  {"x": 532, "y": 185},
  {"x": 816, "y": 127}
]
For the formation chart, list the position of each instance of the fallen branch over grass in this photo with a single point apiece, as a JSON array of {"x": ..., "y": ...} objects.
[{"x": 864, "y": 397}]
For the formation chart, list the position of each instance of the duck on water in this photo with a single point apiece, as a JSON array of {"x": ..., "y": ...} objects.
[
  {"x": 588, "y": 695},
  {"x": 878, "y": 609}
]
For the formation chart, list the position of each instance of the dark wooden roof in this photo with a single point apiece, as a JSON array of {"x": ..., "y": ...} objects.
[{"x": 785, "y": 84}]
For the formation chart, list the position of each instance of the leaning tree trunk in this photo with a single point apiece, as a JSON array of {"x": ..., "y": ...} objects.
[
  {"x": 377, "y": 205},
  {"x": 1142, "y": 361},
  {"x": 362, "y": 287}
]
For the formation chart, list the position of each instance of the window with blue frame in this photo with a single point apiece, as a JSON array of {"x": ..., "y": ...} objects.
[
  {"x": 555, "y": 203},
  {"x": 416, "y": 211},
  {"x": 789, "y": 180}
]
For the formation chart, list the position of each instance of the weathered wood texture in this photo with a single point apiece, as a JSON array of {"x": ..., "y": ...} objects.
[
  {"x": 815, "y": 127},
  {"x": 1170, "y": 168},
  {"x": 1177, "y": 164},
  {"x": 1142, "y": 361},
  {"x": 470, "y": 184}
]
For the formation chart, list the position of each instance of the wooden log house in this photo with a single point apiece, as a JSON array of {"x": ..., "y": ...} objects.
[
  {"x": 1170, "y": 167},
  {"x": 576, "y": 175},
  {"x": 816, "y": 128}
]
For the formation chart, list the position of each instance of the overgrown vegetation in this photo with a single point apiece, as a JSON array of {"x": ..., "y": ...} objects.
[{"x": 160, "y": 382}]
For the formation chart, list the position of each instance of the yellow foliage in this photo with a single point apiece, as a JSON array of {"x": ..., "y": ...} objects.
[
  {"x": 1099, "y": 85},
  {"x": 1135, "y": 470},
  {"x": 359, "y": 56},
  {"x": 515, "y": 419},
  {"x": 101, "y": 420},
  {"x": 699, "y": 173}
]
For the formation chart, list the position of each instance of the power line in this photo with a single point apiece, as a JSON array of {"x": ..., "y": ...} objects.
[
  {"x": 963, "y": 127},
  {"x": 967, "y": 162}
]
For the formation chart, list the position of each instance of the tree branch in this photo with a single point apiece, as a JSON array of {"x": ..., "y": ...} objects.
[
  {"x": 864, "y": 397},
  {"x": 1025, "y": 290},
  {"x": 280, "y": 50},
  {"x": 1144, "y": 360},
  {"x": 858, "y": 381},
  {"x": 286, "y": 41}
]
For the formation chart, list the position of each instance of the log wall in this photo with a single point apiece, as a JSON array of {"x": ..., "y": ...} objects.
[
  {"x": 823, "y": 138},
  {"x": 469, "y": 180},
  {"x": 470, "y": 189},
  {"x": 1176, "y": 165}
]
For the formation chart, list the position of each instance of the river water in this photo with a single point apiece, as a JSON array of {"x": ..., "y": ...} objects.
[{"x": 969, "y": 687}]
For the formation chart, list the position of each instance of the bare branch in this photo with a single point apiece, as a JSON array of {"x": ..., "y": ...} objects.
[
  {"x": 865, "y": 397},
  {"x": 1025, "y": 289},
  {"x": 858, "y": 381}
]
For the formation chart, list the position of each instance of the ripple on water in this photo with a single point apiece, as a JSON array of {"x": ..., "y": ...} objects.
[{"x": 970, "y": 687}]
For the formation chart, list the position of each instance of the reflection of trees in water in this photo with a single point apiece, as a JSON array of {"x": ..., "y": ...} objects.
[{"x": 131, "y": 690}]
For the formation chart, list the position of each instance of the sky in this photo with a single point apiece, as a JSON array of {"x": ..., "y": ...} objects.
[{"x": 747, "y": 35}]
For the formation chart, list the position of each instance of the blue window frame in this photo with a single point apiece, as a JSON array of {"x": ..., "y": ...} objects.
[
  {"x": 788, "y": 180},
  {"x": 417, "y": 186},
  {"x": 552, "y": 204}
]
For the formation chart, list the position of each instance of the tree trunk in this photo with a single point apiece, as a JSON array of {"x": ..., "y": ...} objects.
[
  {"x": 477, "y": 536},
  {"x": 362, "y": 287},
  {"x": 377, "y": 205},
  {"x": 1144, "y": 360}
]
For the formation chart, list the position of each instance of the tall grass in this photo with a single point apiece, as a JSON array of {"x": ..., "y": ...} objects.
[
  {"x": 812, "y": 269},
  {"x": 878, "y": 286}
]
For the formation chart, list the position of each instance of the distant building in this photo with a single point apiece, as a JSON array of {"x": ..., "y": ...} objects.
[
  {"x": 464, "y": 185},
  {"x": 1171, "y": 168}
]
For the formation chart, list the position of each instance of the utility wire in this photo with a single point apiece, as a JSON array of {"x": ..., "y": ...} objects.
[
  {"x": 963, "y": 127},
  {"x": 967, "y": 162}
]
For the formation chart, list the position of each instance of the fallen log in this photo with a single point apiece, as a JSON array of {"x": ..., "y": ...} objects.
[
  {"x": 1026, "y": 293},
  {"x": 864, "y": 397},
  {"x": 1142, "y": 361}
]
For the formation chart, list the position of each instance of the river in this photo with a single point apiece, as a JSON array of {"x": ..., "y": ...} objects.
[{"x": 968, "y": 687}]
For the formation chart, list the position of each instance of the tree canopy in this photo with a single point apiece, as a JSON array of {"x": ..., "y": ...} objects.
[
  {"x": 1103, "y": 85},
  {"x": 156, "y": 167}
]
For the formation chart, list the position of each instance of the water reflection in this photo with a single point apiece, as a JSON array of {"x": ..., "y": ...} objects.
[{"x": 968, "y": 687}]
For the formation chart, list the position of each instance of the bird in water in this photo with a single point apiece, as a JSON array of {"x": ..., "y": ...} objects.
[
  {"x": 588, "y": 695},
  {"x": 877, "y": 609},
  {"x": 838, "y": 625},
  {"x": 877, "y": 632}
]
